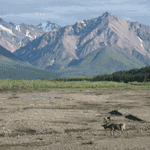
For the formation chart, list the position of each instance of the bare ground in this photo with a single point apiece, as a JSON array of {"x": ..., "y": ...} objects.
[{"x": 72, "y": 120}]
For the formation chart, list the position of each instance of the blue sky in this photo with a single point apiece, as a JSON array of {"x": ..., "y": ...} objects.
[{"x": 68, "y": 12}]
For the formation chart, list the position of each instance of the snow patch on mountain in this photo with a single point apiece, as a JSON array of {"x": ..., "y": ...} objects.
[
  {"x": 140, "y": 39},
  {"x": 6, "y": 29},
  {"x": 19, "y": 43},
  {"x": 27, "y": 34},
  {"x": 141, "y": 42},
  {"x": 83, "y": 23},
  {"x": 142, "y": 45},
  {"x": 18, "y": 28}
]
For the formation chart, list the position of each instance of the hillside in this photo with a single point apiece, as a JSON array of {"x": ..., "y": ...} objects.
[{"x": 12, "y": 67}]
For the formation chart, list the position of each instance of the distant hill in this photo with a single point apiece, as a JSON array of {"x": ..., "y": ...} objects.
[
  {"x": 12, "y": 67},
  {"x": 5, "y": 53}
]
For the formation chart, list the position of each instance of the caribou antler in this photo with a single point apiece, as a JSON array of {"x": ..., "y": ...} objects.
[
  {"x": 109, "y": 119},
  {"x": 105, "y": 120}
]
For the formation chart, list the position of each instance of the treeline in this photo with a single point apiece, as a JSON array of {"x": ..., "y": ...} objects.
[{"x": 140, "y": 75}]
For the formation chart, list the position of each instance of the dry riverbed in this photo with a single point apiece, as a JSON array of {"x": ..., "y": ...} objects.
[{"x": 72, "y": 120}]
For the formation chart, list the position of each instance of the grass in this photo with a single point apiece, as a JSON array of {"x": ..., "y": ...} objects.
[{"x": 7, "y": 86}]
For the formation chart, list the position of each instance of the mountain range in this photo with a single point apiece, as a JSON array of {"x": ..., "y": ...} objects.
[
  {"x": 13, "y": 36},
  {"x": 94, "y": 46}
]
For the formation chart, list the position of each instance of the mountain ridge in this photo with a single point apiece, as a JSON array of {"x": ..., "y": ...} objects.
[
  {"x": 48, "y": 26},
  {"x": 74, "y": 42},
  {"x": 13, "y": 36}
]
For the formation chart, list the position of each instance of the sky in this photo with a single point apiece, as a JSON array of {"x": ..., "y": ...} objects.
[{"x": 68, "y": 12}]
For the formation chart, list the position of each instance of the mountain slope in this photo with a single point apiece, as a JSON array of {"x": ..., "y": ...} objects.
[
  {"x": 105, "y": 60},
  {"x": 13, "y": 36},
  {"x": 13, "y": 67},
  {"x": 56, "y": 49},
  {"x": 5, "y": 53}
]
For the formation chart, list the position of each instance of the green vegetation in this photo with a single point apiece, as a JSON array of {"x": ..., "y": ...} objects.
[
  {"x": 132, "y": 79},
  {"x": 140, "y": 75},
  {"x": 21, "y": 71},
  {"x": 7, "y": 86}
]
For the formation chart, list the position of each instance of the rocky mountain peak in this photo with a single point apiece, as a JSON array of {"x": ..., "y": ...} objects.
[
  {"x": 48, "y": 22},
  {"x": 108, "y": 16},
  {"x": 11, "y": 23},
  {"x": 48, "y": 26}
]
